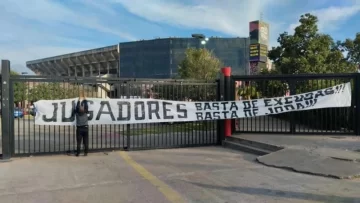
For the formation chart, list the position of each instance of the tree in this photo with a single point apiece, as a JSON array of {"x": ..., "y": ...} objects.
[
  {"x": 352, "y": 47},
  {"x": 50, "y": 91},
  {"x": 248, "y": 92},
  {"x": 199, "y": 64},
  {"x": 308, "y": 51},
  {"x": 19, "y": 90},
  {"x": 45, "y": 91}
]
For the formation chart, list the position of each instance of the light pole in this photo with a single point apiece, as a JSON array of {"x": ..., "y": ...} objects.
[
  {"x": 204, "y": 41},
  {"x": 202, "y": 38}
]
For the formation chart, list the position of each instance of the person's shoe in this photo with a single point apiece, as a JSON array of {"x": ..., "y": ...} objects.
[
  {"x": 77, "y": 154},
  {"x": 85, "y": 154}
]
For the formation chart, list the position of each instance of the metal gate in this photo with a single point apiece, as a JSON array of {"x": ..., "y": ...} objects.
[
  {"x": 1, "y": 138},
  {"x": 318, "y": 121},
  {"x": 34, "y": 139},
  {"x": 20, "y": 135}
]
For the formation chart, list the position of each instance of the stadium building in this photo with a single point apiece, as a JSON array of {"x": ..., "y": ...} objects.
[
  {"x": 156, "y": 58},
  {"x": 159, "y": 58},
  {"x": 95, "y": 62}
]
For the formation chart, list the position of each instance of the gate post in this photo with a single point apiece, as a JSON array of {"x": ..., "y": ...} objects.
[
  {"x": 220, "y": 97},
  {"x": 356, "y": 104},
  {"x": 292, "y": 88},
  {"x": 128, "y": 126},
  {"x": 5, "y": 110},
  {"x": 227, "y": 80}
]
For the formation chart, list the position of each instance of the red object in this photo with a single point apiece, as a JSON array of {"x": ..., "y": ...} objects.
[
  {"x": 226, "y": 71},
  {"x": 227, "y": 128}
]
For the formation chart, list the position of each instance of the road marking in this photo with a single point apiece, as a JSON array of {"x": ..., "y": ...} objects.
[{"x": 167, "y": 191}]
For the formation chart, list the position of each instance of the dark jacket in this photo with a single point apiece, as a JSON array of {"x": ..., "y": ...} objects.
[{"x": 81, "y": 117}]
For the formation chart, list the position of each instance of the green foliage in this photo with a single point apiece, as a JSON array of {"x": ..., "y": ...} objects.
[
  {"x": 52, "y": 91},
  {"x": 20, "y": 90},
  {"x": 272, "y": 88},
  {"x": 199, "y": 64},
  {"x": 45, "y": 91},
  {"x": 248, "y": 92},
  {"x": 307, "y": 51},
  {"x": 352, "y": 47},
  {"x": 185, "y": 91}
]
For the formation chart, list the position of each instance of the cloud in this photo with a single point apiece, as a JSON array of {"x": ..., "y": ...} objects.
[
  {"x": 17, "y": 58},
  {"x": 60, "y": 27},
  {"x": 330, "y": 18},
  {"x": 231, "y": 17},
  {"x": 43, "y": 28},
  {"x": 50, "y": 12}
]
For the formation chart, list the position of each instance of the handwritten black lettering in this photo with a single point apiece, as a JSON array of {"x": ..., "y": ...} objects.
[
  {"x": 102, "y": 111},
  {"x": 181, "y": 110},
  {"x": 121, "y": 105},
  {"x": 267, "y": 102},
  {"x": 288, "y": 100},
  {"x": 166, "y": 110},
  {"x": 278, "y": 101},
  {"x": 319, "y": 93},
  {"x": 90, "y": 112},
  {"x": 65, "y": 119},
  {"x": 54, "y": 116},
  {"x": 329, "y": 91},
  {"x": 234, "y": 106},
  {"x": 289, "y": 107},
  {"x": 207, "y": 106},
  {"x": 139, "y": 110},
  {"x": 153, "y": 109},
  {"x": 299, "y": 98}
]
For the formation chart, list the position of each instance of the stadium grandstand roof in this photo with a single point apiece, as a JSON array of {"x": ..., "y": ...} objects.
[{"x": 94, "y": 62}]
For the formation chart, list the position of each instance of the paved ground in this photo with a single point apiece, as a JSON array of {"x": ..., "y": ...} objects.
[
  {"x": 322, "y": 155},
  {"x": 208, "y": 174},
  {"x": 305, "y": 161}
]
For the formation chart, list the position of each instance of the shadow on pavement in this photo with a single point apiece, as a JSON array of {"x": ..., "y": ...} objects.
[{"x": 280, "y": 193}]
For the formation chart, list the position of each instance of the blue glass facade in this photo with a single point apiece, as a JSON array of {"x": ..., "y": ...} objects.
[{"x": 159, "y": 58}]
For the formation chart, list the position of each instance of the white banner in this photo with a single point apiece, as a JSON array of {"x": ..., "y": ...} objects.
[{"x": 127, "y": 111}]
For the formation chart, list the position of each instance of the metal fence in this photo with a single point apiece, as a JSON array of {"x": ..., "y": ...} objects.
[
  {"x": 34, "y": 139},
  {"x": 1, "y": 108},
  {"x": 23, "y": 137},
  {"x": 318, "y": 121},
  {"x": 20, "y": 135}
]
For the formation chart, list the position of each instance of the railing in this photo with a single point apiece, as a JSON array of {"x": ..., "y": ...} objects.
[
  {"x": 20, "y": 135},
  {"x": 318, "y": 121},
  {"x": 32, "y": 139}
]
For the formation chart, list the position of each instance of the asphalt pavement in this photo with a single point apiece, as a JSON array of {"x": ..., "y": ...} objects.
[{"x": 206, "y": 174}]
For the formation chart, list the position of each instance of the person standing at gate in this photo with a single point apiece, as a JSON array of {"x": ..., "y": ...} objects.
[{"x": 82, "y": 127}]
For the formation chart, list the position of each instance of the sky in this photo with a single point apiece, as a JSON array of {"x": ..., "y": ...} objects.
[{"x": 37, "y": 29}]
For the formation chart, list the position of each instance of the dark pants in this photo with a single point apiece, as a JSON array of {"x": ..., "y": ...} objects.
[{"x": 82, "y": 134}]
